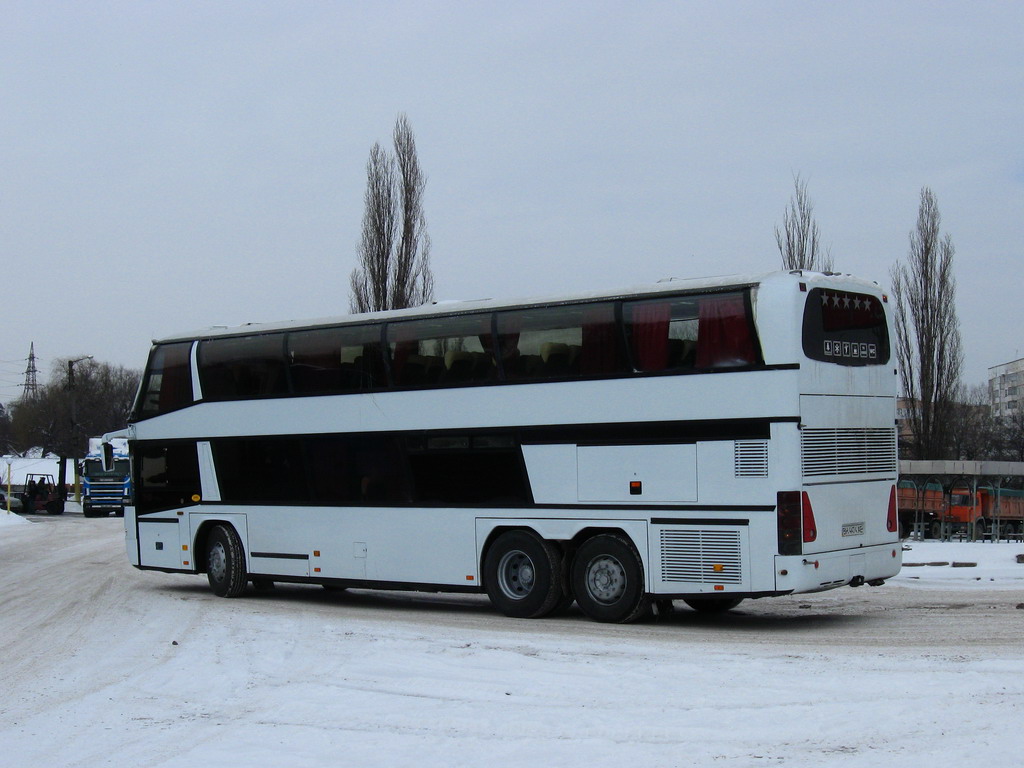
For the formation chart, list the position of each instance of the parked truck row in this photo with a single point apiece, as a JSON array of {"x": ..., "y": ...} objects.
[{"x": 937, "y": 512}]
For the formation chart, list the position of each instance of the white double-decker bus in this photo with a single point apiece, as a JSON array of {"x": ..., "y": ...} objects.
[{"x": 702, "y": 440}]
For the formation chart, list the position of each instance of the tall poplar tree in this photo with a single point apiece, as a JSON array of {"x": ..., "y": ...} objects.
[
  {"x": 928, "y": 349},
  {"x": 394, "y": 251}
]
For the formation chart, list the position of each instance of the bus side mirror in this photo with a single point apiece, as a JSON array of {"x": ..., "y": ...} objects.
[{"x": 108, "y": 457}]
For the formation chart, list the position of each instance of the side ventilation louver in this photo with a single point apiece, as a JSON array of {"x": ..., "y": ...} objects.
[
  {"x": 847, "y": 451},
  {"x": 701, "y": 556},
  {"x": 750, "y": 458}
]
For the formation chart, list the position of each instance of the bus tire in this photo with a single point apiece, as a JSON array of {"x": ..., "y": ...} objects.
[
  {"x": 522, "y": 575},
  {"x": 607, "y": 579},
  {"x": 225, "y": 562},
  {"x": 712, "y": 604}
]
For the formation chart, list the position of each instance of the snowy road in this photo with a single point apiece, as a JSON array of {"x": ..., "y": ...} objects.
[{"x": 106, "y": 665}]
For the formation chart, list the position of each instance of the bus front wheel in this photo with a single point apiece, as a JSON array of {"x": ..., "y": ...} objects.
[
  {"x": 608, "y": 579},
  {"x": 522, "y": 575},
  {"x": 225, "y": 562}
]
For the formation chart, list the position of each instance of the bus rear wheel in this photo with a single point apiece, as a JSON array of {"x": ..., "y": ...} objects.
[
  {"x": 225, "y": 562},
  {"x": 522, "y": 575},
  {"x": 607, "y": 579},
  {"x": 712, "y": 604}
]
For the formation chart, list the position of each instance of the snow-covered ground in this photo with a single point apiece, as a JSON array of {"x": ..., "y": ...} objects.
[{"x": 103, "y": 665}]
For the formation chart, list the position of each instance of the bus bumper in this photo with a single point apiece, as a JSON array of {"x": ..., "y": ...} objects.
[{"x": 828, "y": 570}]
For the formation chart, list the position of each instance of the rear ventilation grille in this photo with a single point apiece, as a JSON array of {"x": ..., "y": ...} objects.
[
  {"x": 701, "y": 557},
  {"x": 750, "y": 458},
  {"x": 847, "y": 451}
]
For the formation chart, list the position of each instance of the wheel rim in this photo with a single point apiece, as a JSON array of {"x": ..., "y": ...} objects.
[
  {"x": 606, "y": 579},
  {"x": 217, "y": 563},
  {"x": 516, "y": 574}
]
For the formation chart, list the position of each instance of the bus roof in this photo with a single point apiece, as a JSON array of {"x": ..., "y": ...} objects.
[{"x": 670, "y": 285}]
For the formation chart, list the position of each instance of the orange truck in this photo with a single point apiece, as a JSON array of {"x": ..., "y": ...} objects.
[
  {"x": 960, "y": 510},
  {"x": 926, "y": 505},
  {"x": 990, "y": 513}
]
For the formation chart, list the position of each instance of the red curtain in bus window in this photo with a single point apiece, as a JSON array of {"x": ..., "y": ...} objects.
[
  {"x": 650, "y": 335},
  {"x": 600, "y": 352},
  {"x": 723, "y": 333}
]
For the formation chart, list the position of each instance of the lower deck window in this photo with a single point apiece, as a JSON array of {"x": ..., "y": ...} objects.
[
  {"x": 168, "y": 476},
  {"x": 367, "y": 469}
]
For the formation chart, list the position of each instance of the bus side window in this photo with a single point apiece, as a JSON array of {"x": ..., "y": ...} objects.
[
  {"x": 238, "y": 368},
  {"x": 261, "y": 470},
  {"x": 725, "y": 337},
  {"x": 168, "y": 475},
  {"x": 443, "y": 351},
  {"x": 325, "y": 361},
  {"x": 560, "y": 342}
]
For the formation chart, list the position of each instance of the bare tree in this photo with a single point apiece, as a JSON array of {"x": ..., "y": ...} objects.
[
  {"x": 394, "y": 250},
  {"x": 1011, "y": 436},
  {"x": 798, "y": 240},
  {"x": 928, "y": 350},
  {"x": 973, "y": 433},
  {"x": 66, "y": 412}
]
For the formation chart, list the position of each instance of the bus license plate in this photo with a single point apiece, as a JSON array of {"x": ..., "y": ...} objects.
[{"x": 853, "y": 529}]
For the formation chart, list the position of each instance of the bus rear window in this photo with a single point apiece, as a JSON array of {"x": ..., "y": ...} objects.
[{"x": 845, "y": 328}]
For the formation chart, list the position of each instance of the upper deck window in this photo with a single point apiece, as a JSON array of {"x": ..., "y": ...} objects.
[
  {"x": 167, "y": 384},
  {"x": 690, "y": 332},
  {"x": 442, "y": 351},
  {"x": 238, "y": 368},
  {"x": 560, "y": 342},
  {"x": 845, "y": 328},
  {"x": 336, "y": 360}
]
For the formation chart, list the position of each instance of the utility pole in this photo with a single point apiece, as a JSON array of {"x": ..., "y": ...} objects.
[{"x": 70, "y": 387}]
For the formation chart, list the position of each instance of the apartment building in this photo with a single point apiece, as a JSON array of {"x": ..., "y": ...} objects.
[{"x": 1006, "y": 388}]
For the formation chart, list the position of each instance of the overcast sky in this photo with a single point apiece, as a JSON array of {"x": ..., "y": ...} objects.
[{"x": 166, "y": 166}]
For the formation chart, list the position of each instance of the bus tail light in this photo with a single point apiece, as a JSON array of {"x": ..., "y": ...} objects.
[
  {"x": 795, "y": 521},
  {"x": 789, "y": 522},
  {"x": 891, "y": 523},
  {"x": 810, "y": 527}
]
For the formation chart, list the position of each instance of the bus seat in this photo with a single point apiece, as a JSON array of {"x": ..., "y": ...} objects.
[
  {"x": 555, "y": 356},
  {"x": 458, "y": 365}
]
